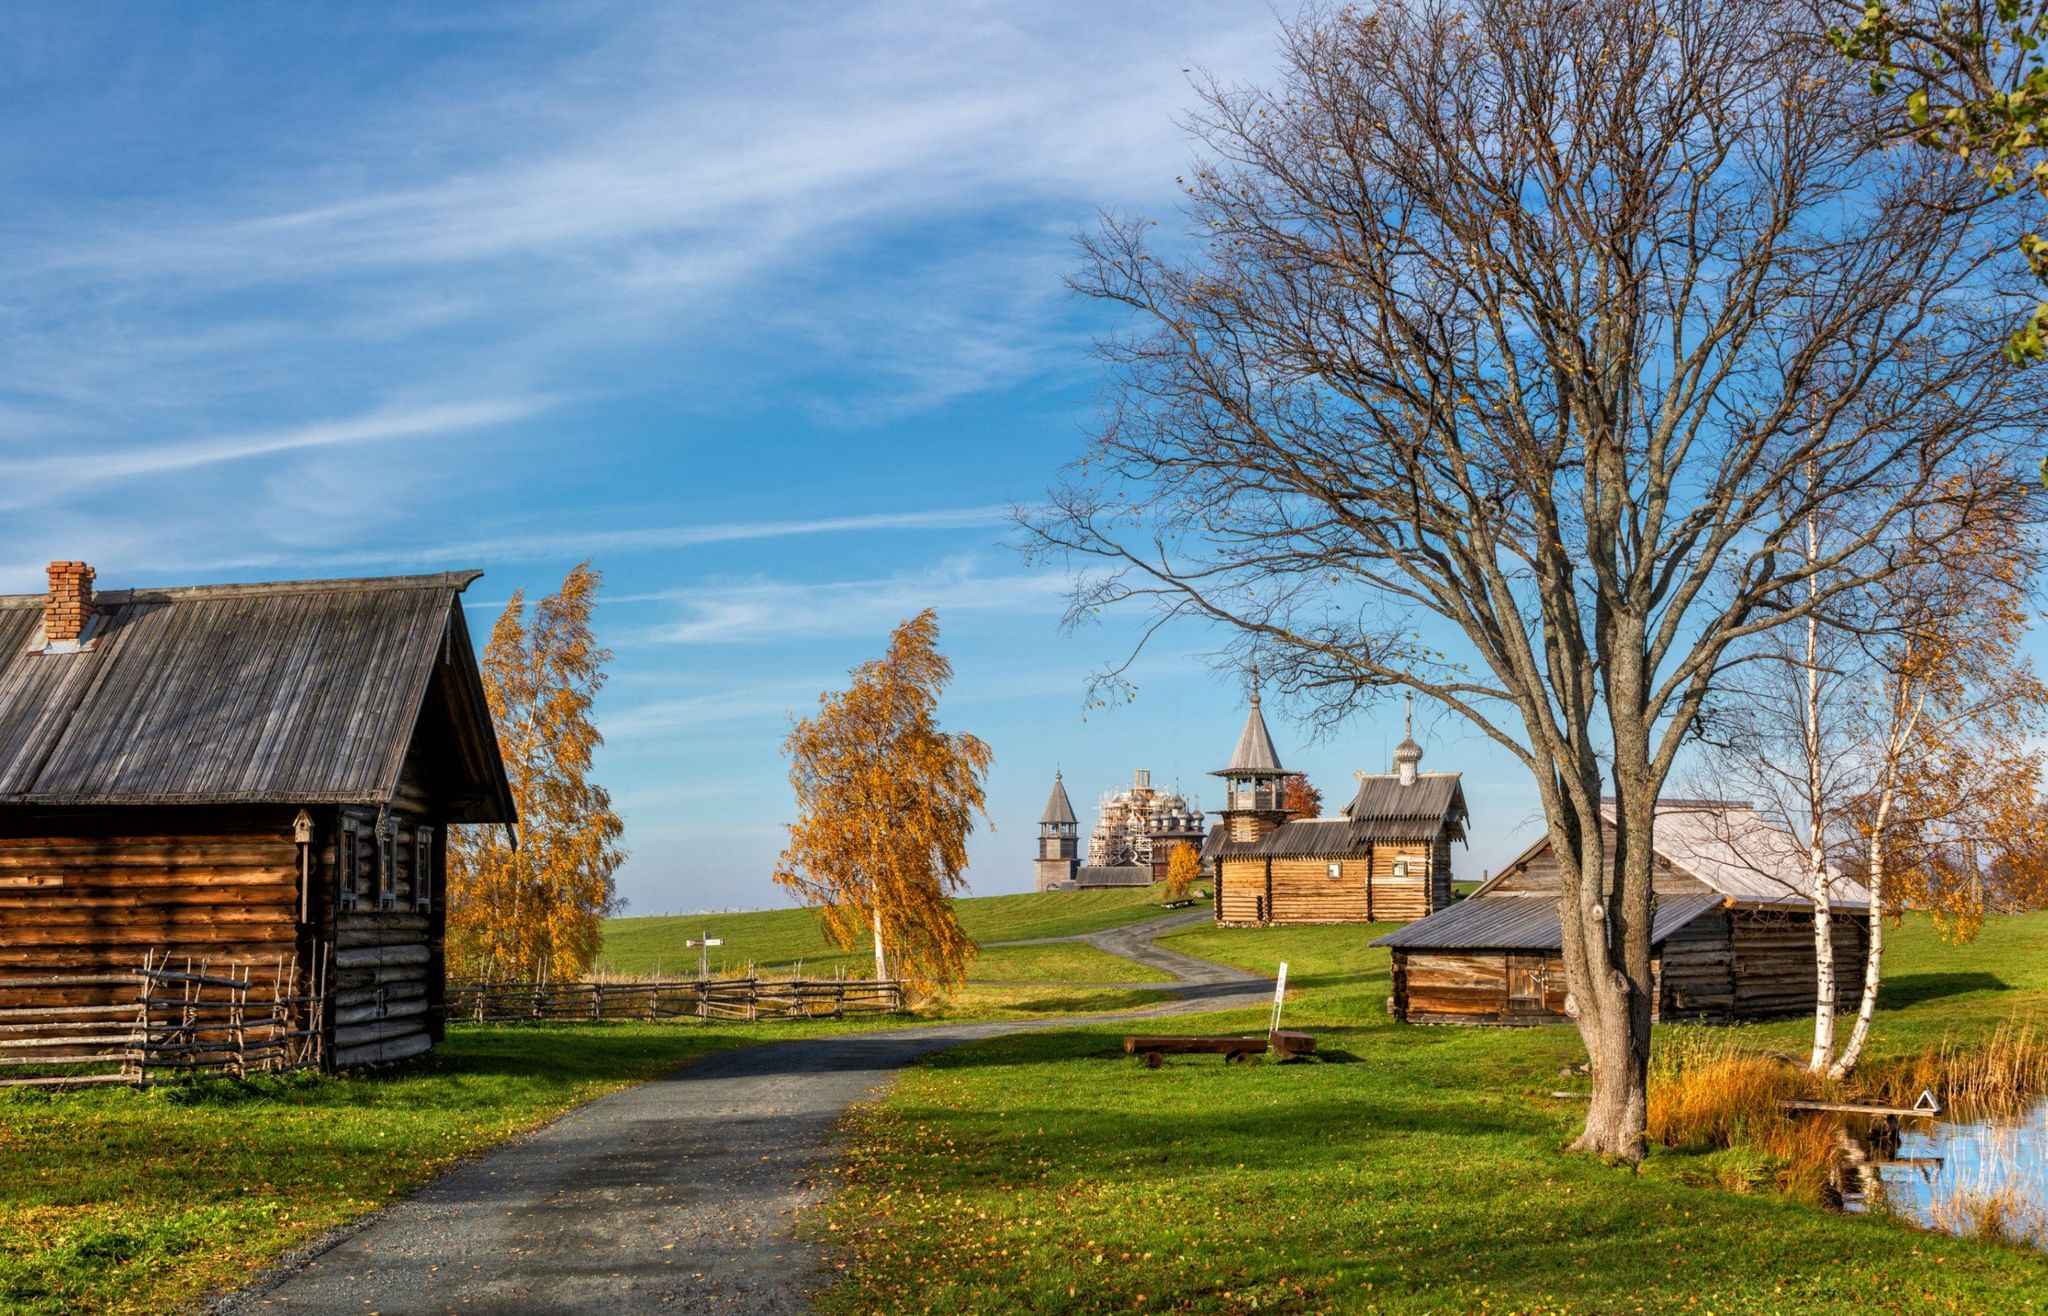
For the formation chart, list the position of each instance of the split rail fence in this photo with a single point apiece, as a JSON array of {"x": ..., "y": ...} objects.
[
  {"x": 682, "y": 998},
  {"x": 157, "y": 1022}
]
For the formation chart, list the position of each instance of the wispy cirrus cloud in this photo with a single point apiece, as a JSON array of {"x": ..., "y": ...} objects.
[
  {"x": 36, "y": 475},
  {"x": 758, "y": 611}
]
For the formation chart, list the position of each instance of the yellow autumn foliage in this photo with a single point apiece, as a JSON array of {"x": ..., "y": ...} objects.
[
  {"x": 885, "y": 803},
  {"x": 1183, "y": 866},
  {"x": 536, "y": 909}
]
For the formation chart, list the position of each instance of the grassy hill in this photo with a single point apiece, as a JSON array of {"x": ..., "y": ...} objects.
[{"x": 775, "y": 939}]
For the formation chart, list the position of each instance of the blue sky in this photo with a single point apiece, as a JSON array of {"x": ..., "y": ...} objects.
[{"x": 760, "y": 307}]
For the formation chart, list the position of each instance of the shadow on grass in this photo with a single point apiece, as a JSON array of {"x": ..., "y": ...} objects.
[{"x": 1914, "y": 988}]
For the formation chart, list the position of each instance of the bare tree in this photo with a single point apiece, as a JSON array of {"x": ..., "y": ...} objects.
[{"x": 1525, "y": 318}]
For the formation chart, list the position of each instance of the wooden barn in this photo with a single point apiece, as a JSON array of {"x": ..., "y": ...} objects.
[
  {"x": 244, "y": 774},
  {"x": 1386, "y": 857},
  {"x": 1731, "y": 937}
]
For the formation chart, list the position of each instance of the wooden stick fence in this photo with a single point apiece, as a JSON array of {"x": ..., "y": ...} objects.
[
  {"x": 156, "y": 1021},
  {"x": 683, "y": 998}
]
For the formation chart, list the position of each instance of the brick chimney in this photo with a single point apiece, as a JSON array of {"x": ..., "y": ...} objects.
[{"x": 70, "y": 602}]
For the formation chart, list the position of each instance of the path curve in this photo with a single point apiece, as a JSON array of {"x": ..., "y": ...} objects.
[{"x": 680, "y": 1194}]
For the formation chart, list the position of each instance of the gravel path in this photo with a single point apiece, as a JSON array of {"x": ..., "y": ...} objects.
[{"x": 676, "y": 1195}]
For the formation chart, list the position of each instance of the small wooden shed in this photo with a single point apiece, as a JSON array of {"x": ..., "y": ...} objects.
[
  {"x": 244, "y": 774},
  {"x": 1731, "y": 934}
]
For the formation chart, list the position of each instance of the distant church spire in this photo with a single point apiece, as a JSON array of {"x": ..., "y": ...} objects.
[{"x": 1408, "y": 754}]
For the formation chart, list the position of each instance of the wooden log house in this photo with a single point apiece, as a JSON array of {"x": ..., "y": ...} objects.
[
  {"x": 1731, "y": 935},
  {"x": 244, "y": 774},
  {"x": 1385, "y": 858}
]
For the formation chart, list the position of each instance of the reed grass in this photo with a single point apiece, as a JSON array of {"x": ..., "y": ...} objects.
[
  {"x": 1999, "y": 1073},
  {"x": 1707, "y": 1092},
  {"x": 1996, "y": 1215}
]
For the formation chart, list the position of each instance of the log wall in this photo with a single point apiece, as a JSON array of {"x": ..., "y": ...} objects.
[
  {"x": 1255, "y": 889},
  {"x": 1538, "y": 873},
  {"x": 96, "y": 891},
  {"x": 1725, "y": 965},
  {"x": 388, "y": 978}
]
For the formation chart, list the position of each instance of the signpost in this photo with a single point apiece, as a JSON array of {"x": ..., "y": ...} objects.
[
  {"x": 704, "y": 945},
  {"x": 1279, "y": 994}
]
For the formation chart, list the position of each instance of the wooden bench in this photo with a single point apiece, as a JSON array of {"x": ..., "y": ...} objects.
[
  {"x": 1288, "y": 1046},
  {"x": 1284, "y": 1046}
]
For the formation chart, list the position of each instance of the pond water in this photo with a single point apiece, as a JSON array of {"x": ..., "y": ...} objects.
[{"x": 1940, "y": 1174}]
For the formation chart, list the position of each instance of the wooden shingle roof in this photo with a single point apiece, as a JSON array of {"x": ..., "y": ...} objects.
[
  {"x": 294, "y": 692},
  {"x": 1729, "y": 847},
  {"x": 1385, "y": 809},
  {"x": 1058, "y": 809}
]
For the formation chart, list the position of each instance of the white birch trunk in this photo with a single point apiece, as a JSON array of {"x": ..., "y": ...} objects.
[
  {"x": 881, "y": 960},
  {"x": 1873, "y": 962},
  {"x": 1906, "y": 710},
  {"x": 1816, "y": 835}
]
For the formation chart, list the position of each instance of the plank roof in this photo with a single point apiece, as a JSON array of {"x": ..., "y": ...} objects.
[
  {"x": 1508, "y": 922},
  {"x": 300, "y": 692},
  {"x": 1254, "y": 752},
  {"x": 1731, "y": 848},
  {"x": 1058, "y": 809},
  {"x": 1113, "y": 875},
  {"x": 1387, "y": 809}
]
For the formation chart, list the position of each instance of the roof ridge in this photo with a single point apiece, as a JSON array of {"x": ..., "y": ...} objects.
[{"x": 455, "y": 580}]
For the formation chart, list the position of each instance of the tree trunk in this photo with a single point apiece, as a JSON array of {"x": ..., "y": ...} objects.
[
  {"x": 1873, "y": 962},
  {"x": 1610, "y": 982},
  {"x": 1816, "y": 830},
  {"x": 881, "y": 960}
]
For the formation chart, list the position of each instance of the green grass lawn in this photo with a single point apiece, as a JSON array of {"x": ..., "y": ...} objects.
[
  {"x": 777, "y": 938},
  {"x": 1420, "y": 1172},
  {"x": 1061, "y": 961},
  {"x": 122, "y": 1201}
]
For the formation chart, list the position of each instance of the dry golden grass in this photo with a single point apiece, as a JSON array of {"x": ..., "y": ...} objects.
[
  {"x": 1708, "y": 1093},
  {"x": 2001, "y": 1074}
]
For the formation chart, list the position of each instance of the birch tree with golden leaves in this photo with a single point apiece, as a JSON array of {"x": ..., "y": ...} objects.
[
  {"x": 536, "y": 909},
  {"x": 1183, "y": 866},
  {"x": 885, "y": 803},
  {"x": 1953, "y": 777}
]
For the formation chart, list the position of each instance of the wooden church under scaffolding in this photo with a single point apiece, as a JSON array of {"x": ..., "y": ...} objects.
[{"x": 255, "y": 778}]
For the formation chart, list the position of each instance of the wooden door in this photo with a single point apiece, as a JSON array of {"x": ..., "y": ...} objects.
[{"x": 1525, "y": 984}]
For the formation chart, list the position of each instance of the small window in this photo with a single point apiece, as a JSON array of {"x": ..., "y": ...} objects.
[
  {"x": 387, "y": 864},
  {"x": 346, "y": 863},
  {"x": 422, "y": 868},
  {"x": 1336, "y": 868},
  {"x": 1400, "y": 868}
]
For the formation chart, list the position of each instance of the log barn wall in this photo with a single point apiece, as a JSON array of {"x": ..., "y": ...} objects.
[
  {"x": 1728, "y": 964},
  {"x": 94, "y": 891}
]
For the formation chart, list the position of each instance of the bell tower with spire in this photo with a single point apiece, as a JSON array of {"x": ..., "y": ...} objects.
[
  {"x": 1254, "y": 783},
  {"x": 1059, "y": 838}
]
